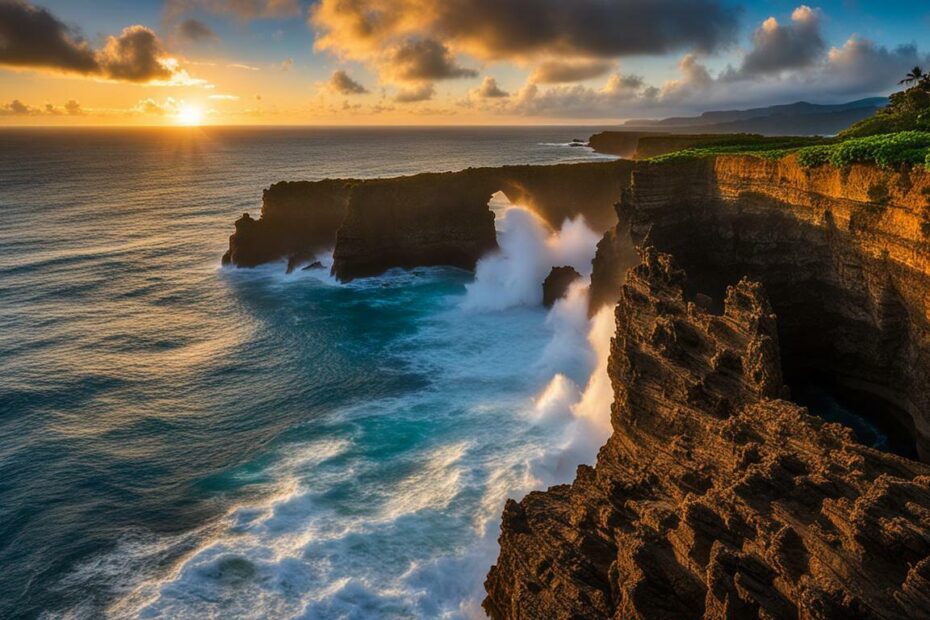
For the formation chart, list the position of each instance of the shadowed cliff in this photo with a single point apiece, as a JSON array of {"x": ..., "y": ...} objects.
[
  {"x": 716, "y": 496},
  {"x": 426, "y": 219}
]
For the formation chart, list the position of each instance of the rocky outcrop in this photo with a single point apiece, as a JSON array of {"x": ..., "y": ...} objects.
[
  {"x": 619, "y": 143},
  {"x": 716, "y": 496},
  {"x": 426, "y": 219},
  {"x": 556, "y": 284},
  {"x": 298, "y": 220}
]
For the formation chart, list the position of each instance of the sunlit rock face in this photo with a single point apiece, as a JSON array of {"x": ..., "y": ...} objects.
[
  {"x": 716, "y": 496},
  {"x": 426, "y": 219}
]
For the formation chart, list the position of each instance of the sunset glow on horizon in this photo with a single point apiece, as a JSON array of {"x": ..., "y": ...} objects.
[{"x": 428, "y": 62}]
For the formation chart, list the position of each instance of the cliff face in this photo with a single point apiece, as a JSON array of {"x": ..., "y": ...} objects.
[
  {"x": 427, "y": 219},
  {"x": 717, "y": 497},
  {"x": 844, "y": 257},
  {"x": 432, "y": 219},
  {"x": 298, "y": 220}
]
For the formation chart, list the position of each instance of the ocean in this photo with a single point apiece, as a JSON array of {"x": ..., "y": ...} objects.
[{"x": 182, "y": 440}]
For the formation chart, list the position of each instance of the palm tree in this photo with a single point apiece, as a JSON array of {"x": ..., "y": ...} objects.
[{"x": 916, "y": 75}]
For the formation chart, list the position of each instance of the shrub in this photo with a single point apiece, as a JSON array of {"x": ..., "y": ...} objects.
[
  {"x": 886, "y": 150},
  {"x": 813, "y": 156}
]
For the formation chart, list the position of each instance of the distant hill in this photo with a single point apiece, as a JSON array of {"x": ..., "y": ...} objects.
[{"x": 796, "y": 119}]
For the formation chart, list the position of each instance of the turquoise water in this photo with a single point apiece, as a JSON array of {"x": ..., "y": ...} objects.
[{"x": 182, "y": 440}]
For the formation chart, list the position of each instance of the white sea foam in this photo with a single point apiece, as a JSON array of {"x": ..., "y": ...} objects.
[
  {"x": 513, "y": 275},
  {"x": 396, "y": 512}
]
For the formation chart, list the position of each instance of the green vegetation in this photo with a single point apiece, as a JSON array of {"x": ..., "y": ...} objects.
[
  {"x": 744, "y": 144},
  {"x": 898, "y": 135},
  {"x": 886, "y": 150}
]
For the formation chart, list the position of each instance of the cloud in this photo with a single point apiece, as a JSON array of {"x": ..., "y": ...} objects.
[
  {"x": 581, "y": 101},
  {"x": 490, "y": 90},
  {"x": 424, "y": 60},
  {"x": 287, "y": 64},
  {"x": 508, "y": 29},
  {"x": 31, "y": 37},
  {"x": 562, "y": 71},
  {"x": 15, "y": 107},
  {"x": 134, "y": 56},
  {"x": 340, "y": 83},
  {"x": 413, "y": 94},
  {"x": 18, "y": 108},
  {"x": 196, "y": 31},
  {"x": 410, "y": 41},
  {"x": 779, "y": 47},
  {"x": 858, "y": 68},
  {"x": 244, "y": 67},
  {"x": 168, "y": 107},
  {"x": 224, "y": 97},
  {"x": 861, "y": 66},
  {"x": 695, "y": 79}
]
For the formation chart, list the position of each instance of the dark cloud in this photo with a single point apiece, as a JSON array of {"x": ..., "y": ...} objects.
[
  {"x": 424, "y": 60},
  {"x": 32, "y": 37},
  {"x": 342, "y": 84},
  {"x": 134, "y": 56},
  {"x": 560, "y": 72},
  {"x": 778, "y": 47},
  {"x": 413, "y": 94},
  {"x": 73, "y": 108},
  {"x": 196, "y": 31},
  {"x": 503, "y": 29},
  {"x": 490, "y": 90}
]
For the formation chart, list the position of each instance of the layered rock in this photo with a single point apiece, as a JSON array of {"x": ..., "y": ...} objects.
[
  {"x": 426, "y": 219},
  {"x": 716, "y": 496}
]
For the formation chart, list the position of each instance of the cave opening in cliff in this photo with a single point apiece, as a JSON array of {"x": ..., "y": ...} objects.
[
  {"x": 875, "y": 422},
  {"x": 841, "y": 350}
]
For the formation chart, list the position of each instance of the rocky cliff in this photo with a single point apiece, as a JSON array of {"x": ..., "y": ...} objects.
[
  {"x": 426, "y": 219},
  {"x": 717, "y": 496}
]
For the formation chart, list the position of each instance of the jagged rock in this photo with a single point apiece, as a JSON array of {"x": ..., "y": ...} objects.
[
  {"x": 713, "y": 498},
  {"x": 716, "y": 497},
  {"x": 556, "y": 284}
]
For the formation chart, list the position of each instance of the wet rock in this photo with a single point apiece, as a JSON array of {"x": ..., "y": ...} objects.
[{"x": 556, "y": 284}]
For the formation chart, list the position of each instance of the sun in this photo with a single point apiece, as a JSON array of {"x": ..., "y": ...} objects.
[{"x": 190, "y": 115}]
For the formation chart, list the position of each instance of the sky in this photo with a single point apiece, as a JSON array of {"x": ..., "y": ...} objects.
[{"x": 460, "y": 62}]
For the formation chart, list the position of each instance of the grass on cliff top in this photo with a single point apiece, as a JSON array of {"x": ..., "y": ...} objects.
[{"x": 890, "y": 150}]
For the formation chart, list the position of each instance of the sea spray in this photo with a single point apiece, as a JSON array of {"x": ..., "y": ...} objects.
[
  {"x": 583, "y": 415},
  {"x": 400, "y": 514},
  {"x": 529, "y": 248}
]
